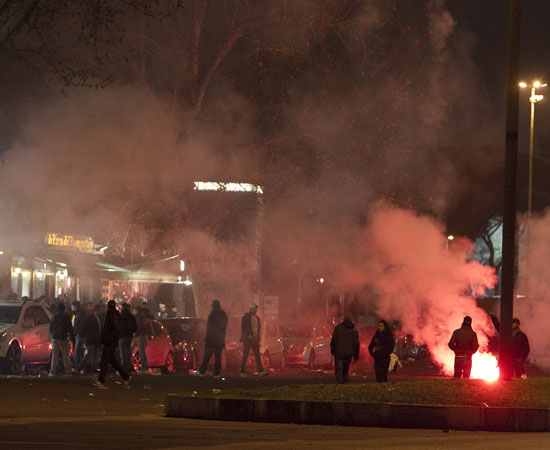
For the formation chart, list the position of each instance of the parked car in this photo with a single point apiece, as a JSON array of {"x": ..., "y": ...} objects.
[
  {"x": 159, "y": 348},
  {"x": 297, "y": 344},
  {"x": 187, "y": 335},
  {"x": 24, "y": 335},
  {"x": 407, "y": 349}
]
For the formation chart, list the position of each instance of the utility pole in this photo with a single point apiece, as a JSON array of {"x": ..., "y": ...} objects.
[{"x": 509, "y": 249}]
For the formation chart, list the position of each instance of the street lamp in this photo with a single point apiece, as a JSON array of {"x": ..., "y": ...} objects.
[
  {"x": 533, "y": 99},
  {"x": 450, "y": 237}
]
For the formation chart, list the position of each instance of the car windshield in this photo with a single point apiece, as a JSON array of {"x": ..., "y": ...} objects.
[
  {"x": 295, "y": 330},
  {"x": 9, "y": 313}
]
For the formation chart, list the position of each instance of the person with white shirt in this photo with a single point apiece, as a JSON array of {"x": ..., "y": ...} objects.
[{"x": 250, "y": 337}]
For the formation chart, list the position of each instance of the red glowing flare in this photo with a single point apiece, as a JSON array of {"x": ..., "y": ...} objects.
[{"x": 484, "y": 367}]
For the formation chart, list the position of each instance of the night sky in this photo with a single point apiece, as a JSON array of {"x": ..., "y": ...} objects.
[{"x": 332, "y": 106}]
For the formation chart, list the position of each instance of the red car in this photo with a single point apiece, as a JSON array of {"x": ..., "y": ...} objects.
[{"x": 159, "y": 349}]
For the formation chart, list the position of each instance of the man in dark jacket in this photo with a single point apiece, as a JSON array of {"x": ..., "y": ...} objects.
[
  {"x": 380, "y": 348},
  {"x": 250, "y": 337},
  {"x": 214, "y": 341},
  {"x": 520, "y": 349},
  {"x": 344, "y": 345},
  {"x": 92, "y": 340},
  {"x": 127, "y": 330},
  {"x": 109, "y": 341},
  {"x": 464, "y": 343},
  {"x": 61, "y": 330}
]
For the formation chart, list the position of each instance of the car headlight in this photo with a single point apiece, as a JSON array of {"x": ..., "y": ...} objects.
[{"x": 3, "y": 336}]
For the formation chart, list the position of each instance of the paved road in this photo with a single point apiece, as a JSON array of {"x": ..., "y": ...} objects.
[{"x": 67, "y": 413}]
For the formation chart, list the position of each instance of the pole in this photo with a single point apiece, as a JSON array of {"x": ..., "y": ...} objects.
[
  {"x": 531, "y": 133},
  {"x": 509, "y": 250}
]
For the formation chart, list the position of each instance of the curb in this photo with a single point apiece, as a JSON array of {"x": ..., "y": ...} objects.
[{"x": 385, "y": 415}]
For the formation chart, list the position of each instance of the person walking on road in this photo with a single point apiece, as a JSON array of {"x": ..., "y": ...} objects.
[
  {"x": 520, "y": 349},
  {"x": 344, "y": 345},
  {"x": 214, "y": 341},
  {"x": 250, "y": 337},
  {"x": 61, "y": 330},
  {"x": 127, "y": 330},
  {"x": 464, "y": 343},
  {"x": 92, "y": 340},
  {"x": 380, "y": 348},
  {"x": 109, "y": 341}
]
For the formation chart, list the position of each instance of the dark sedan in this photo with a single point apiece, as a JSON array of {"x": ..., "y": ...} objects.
[{"x": 187, "y": 334}]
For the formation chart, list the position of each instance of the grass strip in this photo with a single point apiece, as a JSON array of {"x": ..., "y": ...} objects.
[{"x": 529, "y": 393}]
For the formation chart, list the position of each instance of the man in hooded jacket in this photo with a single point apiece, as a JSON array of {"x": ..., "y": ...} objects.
[
  {"x": 214, "y": 341},
  {"x": 464, "y": 343},
  {"x": 344, "y": 345}
]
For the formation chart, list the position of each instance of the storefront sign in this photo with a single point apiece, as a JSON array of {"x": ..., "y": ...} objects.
[{"x": 81, "y": 243}]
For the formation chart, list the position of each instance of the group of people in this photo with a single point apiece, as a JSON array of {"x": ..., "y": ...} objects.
[
  {"x": 214, "y": 341},
  {"x": 344, "y": 345},
  {"x": 93, "y": 331},
  {"x": 464, "y": 344}
]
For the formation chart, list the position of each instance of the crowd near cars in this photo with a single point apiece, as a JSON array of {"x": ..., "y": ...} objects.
[{"x": 176, "y": 344}]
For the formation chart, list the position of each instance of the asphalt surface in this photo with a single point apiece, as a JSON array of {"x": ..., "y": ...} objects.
[{"x": 68, "y": 413}]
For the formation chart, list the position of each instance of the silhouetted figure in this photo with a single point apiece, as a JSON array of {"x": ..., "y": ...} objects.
[
  {"x": 92, "y": 341},
  {"x": 214, "y": 341},
  {"x": 344, "y": 345},
  {"x": 61, "y": 331},
  {"x": 520, "y": 349},
  {"x": 109, "y": 341},
  {"x": 380, "y": 348},
  {"x": 250, "y": 337},
  {"x": 464, "y": 343}
]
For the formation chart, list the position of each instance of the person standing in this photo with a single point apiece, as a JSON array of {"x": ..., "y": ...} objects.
[
  {"x": 520, "y": 349},
  {"x": 214, "y": 341},
  {"x": 162, "y": 314},
  {"x": 250, "y": 337},
  {"x": 109, "y": 341},
  {"x": 464, "y": 343},
  {"x": 127, "y": 330},
  {"x": 61, "y": 330},
  {"x": 78, "y": 319},
  {"x": 143, "y": 320},
  {"x": 344, "y": 345},
  {"x": 92, "y": 340},
  {"x": 380, "y": 348}
]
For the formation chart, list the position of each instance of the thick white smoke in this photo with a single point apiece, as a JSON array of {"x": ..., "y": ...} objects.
[{"x": 421, "y": 281}]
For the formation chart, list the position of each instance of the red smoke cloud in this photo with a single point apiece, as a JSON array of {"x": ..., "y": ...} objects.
[{"x": 422, "y": 283}]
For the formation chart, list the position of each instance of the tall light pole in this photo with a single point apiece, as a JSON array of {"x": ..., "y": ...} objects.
[
  {"x": 450, "y": 237},
  {"x": 533, "y": 99}
]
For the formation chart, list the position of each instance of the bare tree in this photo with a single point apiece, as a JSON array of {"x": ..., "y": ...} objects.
[{"x": 14, "y": 14}]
